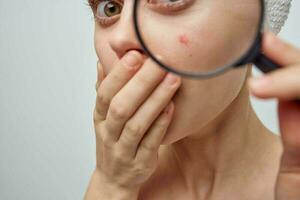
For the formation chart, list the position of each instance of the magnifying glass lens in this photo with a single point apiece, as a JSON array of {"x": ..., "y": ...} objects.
[{"x": 198, "y": 36}]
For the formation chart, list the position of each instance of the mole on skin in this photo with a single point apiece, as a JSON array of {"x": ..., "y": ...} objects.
[{"x": 183, "y": 39}]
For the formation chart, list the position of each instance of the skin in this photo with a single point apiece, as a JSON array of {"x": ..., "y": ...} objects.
[
  {"x": 183, "y": 39},
  {"x": 210, "y": 145},
  {"x": 209, "y": 34}
]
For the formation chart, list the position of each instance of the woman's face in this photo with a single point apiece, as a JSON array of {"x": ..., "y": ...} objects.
[{"x": 187, "y": 39}]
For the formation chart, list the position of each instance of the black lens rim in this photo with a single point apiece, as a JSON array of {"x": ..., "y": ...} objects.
[{"x": 248, "y": 57}]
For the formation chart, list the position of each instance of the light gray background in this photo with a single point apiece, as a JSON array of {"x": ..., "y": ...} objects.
[{"x": 47, "y": 77}]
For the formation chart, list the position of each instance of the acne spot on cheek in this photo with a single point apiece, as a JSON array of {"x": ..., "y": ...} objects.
[{"x": 183, "y": 39}]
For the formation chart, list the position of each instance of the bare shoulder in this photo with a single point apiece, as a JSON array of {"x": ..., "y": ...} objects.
[{"x": 267, "y": 174}]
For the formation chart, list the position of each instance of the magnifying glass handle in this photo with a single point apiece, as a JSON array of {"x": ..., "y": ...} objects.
[{"x": 266, "y": 65}]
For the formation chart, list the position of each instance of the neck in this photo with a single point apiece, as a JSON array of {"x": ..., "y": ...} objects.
[{"x": 225, "y": 148}]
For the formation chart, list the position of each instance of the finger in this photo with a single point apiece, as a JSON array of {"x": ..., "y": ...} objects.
[
  {"x": 138, "y": 124},
  {"x": 149, "y": 146},
  {"x": 122, "y": 71},
  {"x": 100, "y": 74},
  {"x": 280, "y": 51},
  {"x": 132, "y": 95},
  {"x": 283, "y": 84}
]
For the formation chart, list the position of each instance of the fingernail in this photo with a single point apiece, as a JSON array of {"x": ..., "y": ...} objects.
[
  {"x": 259, "y": 82},
  {"x": 132, "y": 59},
  {"x": 170, "y": 79}
]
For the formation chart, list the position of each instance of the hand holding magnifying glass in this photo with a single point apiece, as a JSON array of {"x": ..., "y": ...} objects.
[{"x": 284, "y": 84}]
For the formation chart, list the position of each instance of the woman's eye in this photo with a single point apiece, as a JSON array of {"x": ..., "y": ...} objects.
[
  {"x": 109, "y": 8},
  {"x": 169, "y": 5}
]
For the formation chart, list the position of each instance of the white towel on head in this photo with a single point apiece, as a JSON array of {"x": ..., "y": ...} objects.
[{"x": 276, "y": 14}]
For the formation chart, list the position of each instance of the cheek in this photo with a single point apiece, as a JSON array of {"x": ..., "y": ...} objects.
[
  {"x": 104, "y": 53},
  {"x": 184, "y": 40},
  {"x": 192, "y": 50},
  {"x": 99, "y": 43},
  {"x": 212, "y": 37}
]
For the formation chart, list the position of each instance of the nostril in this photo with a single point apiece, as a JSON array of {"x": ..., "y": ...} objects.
[{"x": 141, "y": 51}]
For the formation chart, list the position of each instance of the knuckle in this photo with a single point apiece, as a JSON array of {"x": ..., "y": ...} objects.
[
  {"x": 108, "y": 144},
  {"x": 95, "y": 116},
  {"x": 142, "y": 168},
  {"x": 148, "y": 147},
  {"x": 128, "y": 139},
  {"x": 98, "y": 130},
  {"x": 117, "y": 111},
  {"x": 132, "y": 129},
  {"x": 159, "y": 97},
  {"x": 106, "y": 141},
  {"x": 116, "y": 78},
  {"x": 119, "y": 156},
  {"x": 102, "y": 97},
  {"x": 98, "y": 115},
  {"x": 143, "y": 80}
]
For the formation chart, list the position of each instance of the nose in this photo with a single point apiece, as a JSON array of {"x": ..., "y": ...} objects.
[{"x": 123, "y": 37}]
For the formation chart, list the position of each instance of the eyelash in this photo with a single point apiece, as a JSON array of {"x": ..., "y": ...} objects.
[
  {"x": 175, "y": 6},
  {"x": 103, "y": 20}
]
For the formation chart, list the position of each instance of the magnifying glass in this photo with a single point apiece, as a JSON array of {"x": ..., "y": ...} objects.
[{"x": 202, "y": 38}]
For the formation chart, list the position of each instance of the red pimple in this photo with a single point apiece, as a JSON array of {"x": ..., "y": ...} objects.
[{"x": 183, "y": 39}]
